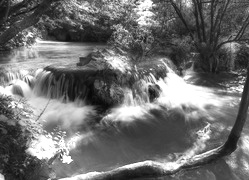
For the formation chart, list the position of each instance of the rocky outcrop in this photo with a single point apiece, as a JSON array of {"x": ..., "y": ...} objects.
[{"x": 101, "y": 77}]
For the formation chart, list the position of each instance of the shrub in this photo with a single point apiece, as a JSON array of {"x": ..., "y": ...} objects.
[
  {"x": 224, "y": 59},
  {"x": 242, "y": 55},
  {"x": 16, "y": 132},
  {"x": 26, "y": 37},
  {"x": 137, "y": 41},
  {"x": 180, "y": 51}
]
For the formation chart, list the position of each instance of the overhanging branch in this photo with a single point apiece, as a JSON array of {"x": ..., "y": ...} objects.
[
  {"x": 26, "y": 22},
  {"x": 180, "y": 15},
  {"x": 1, "y": 2},
  {"x": 27, "y": 11},
  {"x": 230, "y": 41}
]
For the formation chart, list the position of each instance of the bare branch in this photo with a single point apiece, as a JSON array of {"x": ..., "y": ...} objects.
[
  {"x": 218, "y": 31},
  {"x": 44, "y": 109},
  {"x": 243, "y": 27},
  {"x": 26, "y": 22},
  {"x": 6, "y": 13},
  {"x": 211, "y": 21},
  {"x": 197, "y": 21},
  {"x": 180, "y": 15},
  {"x": 1, "y": 2},
  {"x": 18, "y": 6},
  {"x": 200, "y": 10},
  {"x": 230, "y": 41},
  {"x": 26, "y": 11}
]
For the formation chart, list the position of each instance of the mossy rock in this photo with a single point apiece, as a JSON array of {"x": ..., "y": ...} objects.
[{"x": 101, "y": 81}]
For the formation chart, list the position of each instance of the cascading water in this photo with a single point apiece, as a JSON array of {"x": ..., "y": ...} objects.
[
  {"x": 158, "y": 119},
  {"x": 136, "y": 130}
]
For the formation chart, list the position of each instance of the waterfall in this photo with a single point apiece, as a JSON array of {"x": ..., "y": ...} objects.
[
  {"x": 18, "y": 82},
  {"x": 104, "y": 119},
  {"x": 138, "y": 88},
  {"x": 55, "y": 86},
  {"x": 158, "y": 117},
  {"x": 11, "y": 75}
]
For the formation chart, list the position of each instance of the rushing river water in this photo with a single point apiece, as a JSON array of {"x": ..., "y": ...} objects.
[{"x": 162, "y": 130}]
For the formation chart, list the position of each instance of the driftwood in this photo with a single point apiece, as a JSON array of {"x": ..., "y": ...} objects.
[
  {"x": 44, "y": 109},
  {"x": 150, "y": 169}
]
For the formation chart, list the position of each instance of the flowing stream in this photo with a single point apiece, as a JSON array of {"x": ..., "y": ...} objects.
[{"x": 184, "y": 120}]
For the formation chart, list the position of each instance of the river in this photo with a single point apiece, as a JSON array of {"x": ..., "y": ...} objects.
[
  {"x": 44, "y": 53},
  {"x": 131, "y": 132}
]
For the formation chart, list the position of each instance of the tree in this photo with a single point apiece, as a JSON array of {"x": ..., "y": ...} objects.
[
  {"x": 87, "y": 20},
  {"x": 16, "y": 17},
  {"x": 216, "y": 23}
]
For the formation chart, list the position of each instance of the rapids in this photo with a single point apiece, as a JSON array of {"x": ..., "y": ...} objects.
[{"x": 184, "y": 119}]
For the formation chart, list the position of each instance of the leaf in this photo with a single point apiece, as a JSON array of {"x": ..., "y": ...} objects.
[
  {"x": 4, "y": 131},
  {"x": 3, "y": 118}
]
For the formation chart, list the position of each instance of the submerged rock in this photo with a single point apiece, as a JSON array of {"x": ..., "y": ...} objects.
[
  {"x": 108, "y": 94},
  {"x": 154, "y": 91}
]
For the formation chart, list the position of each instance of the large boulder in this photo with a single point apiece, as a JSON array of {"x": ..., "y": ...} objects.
[{"x": 101, "y": 77}]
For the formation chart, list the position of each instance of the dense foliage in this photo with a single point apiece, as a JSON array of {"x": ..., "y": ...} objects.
[
  {"x": 242, "y": 56},
  {"x": 17, "y": 129},
  {"x": 211, "y": 25},
  {"x": 16, "y": 16}
]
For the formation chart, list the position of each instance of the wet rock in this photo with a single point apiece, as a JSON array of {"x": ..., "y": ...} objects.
[
  {"x": 84, "y": 61},
  {"x": 17, "y": 90},
  {"x": 154, "y": 91},
  {"x": 107, "y": 94},
  {"x": 101, "y": 77}
]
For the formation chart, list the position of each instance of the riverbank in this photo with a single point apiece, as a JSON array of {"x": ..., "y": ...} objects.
[{"x": 231, "y": 82}]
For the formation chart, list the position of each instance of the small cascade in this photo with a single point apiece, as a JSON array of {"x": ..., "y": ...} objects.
[
  {"x": 18, "y": 82},
  {"x": 7, "y": 77},
  {"x": 96, "y": 87},
  {"x": 56, "y": 86},
  {"x": 100, "y": 87},
  {"x": 143, "y": 91}
]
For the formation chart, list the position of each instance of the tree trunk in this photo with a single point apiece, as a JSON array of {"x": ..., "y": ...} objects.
[
  {"x": 149, "y": 169},
  {"x": 241, "y": 117},
  {"x": 25, "y": 23},
  {"x": 207, "y": 61}
]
